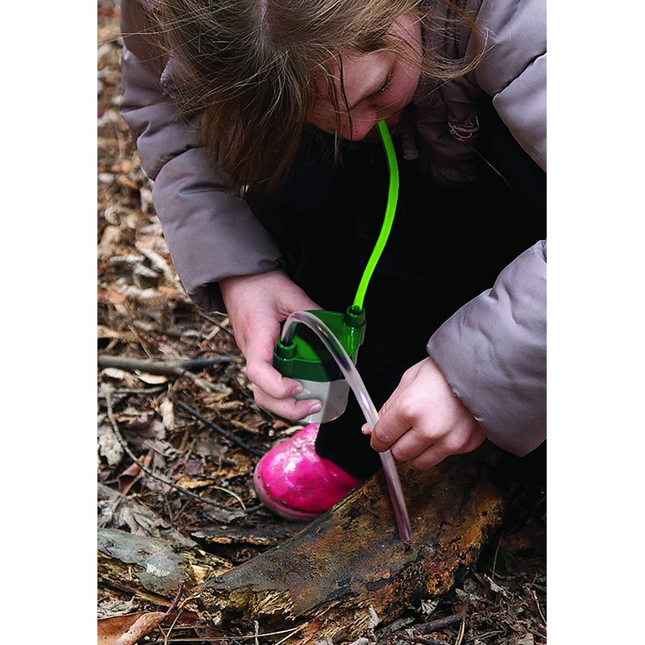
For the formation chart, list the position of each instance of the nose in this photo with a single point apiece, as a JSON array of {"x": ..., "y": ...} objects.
[{"x": 361, "y": 124}]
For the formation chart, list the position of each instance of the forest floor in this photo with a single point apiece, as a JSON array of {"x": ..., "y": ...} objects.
[{"x": 145, "y": 315}]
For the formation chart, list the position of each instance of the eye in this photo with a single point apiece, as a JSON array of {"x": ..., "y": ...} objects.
[{"x": 382, "y": 89}]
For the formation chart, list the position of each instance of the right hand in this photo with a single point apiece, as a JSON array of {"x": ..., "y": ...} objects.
[{"x": 256, "y": 305}]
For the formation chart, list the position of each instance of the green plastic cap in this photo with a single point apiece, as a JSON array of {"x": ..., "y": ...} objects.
[
  {"x": 354, "y": 316},
  {"x": 307, "y": 358},
  {"x": 285, "y": 351}
]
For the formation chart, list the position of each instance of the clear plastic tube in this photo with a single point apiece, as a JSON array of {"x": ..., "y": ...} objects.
[{"x": 371, "y": 415}]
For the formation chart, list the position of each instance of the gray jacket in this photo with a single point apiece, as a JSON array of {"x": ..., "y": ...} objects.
[{"x": 493, "y": 350}]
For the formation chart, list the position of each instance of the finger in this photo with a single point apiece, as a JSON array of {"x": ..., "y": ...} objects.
[
  {"x": 449, "y": 445},
  {"x": 430, "y": 457},
  {"x": 264, "y": 376},
  {"x": 406, "y": 380},
  {"x": 260, "y": 370},
  {"x": 288, "y": 408},
  {"x": 395, "y": 421},
  {"x": 412, "y": 444}
]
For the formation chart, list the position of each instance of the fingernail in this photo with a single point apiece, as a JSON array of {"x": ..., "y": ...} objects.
[
  {"x": 297, "y": 390},
  {"x": 365, "y": 429},
  {"x": 315, "y": 408}
]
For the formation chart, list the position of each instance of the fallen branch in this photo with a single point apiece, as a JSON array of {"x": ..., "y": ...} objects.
[
  {"x": 163, "y": 368},
  {"x": 439, "y": 623},
  {"x": 349, "y": 570},
  {"x": 227, "y": 435}
]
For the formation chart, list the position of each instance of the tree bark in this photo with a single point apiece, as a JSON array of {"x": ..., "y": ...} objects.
[{"x": 349, "y": 570}]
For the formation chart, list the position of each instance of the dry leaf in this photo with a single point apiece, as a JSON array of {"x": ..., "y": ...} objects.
[
  {"x": 187, "y": 482},
  {"x": 114, "y": 373},
  {"x": 111, "y": 236},
  {"x": 110, "y": 296},
  {"x": 109, "y": 447},
  {"x": 106, "y": 332},
  {"x": 167, "y": 410},
  {"x": 527, "y": 639},
  {"x": 110, "y": 629},
  {"x": 148, "y": 296},
  {"x": 140, "y": 628},
  {"x": 131, "y": 474},
  {"x": 124, "y": 180},
  {"x": 124, "y": 167},
  {"x": 169, "y": 292},
  {"x": 495, "y": 587},
  {"x": 152, "y": 379}
]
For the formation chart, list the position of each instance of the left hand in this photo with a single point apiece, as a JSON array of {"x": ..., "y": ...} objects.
[{"x": 423, "y": 421}]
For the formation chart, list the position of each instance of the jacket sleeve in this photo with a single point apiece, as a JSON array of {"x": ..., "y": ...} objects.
[
  {"x": 493, "y": 350},
  {"x": 513, "y": 70},
  {"x": 210, "y": 231},
  {"x": 493, "y": 354}
]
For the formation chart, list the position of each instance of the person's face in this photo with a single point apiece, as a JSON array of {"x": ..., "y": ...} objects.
[{"x": 377, "y": 85}]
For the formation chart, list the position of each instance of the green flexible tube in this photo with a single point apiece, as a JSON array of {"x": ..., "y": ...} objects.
[{"x": 390, "y": 209}]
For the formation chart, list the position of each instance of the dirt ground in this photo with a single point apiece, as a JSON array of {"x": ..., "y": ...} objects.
[{"x": 144, "y": 315}]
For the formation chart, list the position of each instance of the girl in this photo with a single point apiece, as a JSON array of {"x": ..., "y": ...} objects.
[{"x": 256, "y": 119}]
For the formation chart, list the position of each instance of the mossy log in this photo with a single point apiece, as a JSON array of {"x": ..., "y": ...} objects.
[{"x": 349, "y": 570}]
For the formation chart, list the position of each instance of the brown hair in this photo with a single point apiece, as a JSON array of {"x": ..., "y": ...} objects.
[{"x": 253, "y": 66}]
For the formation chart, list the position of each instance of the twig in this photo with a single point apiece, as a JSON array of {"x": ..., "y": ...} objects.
[
  {"x": 145, "y": 469},
  {"x": 164, "y": 368},
  {"x": 216, "y": 323},
  {"x": 230, "y": 492},
  {"x": 288, "y": 636},
  {"x": 175, "y": 602},
  {"x": 133, "y": 391},
  {"x": 537, "y": 602},
  {"x": 492, "y": 577},
  {"x": 291, "y": 631},
  {"x": 231, "y": 437},
  {"x": 435, "y": 625},
  {"x": 481, "y": 637},
  {"x": 142, "y": 342},
  {"x": 462, "y": 631},
  {"x": 425, "y": 640}
]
